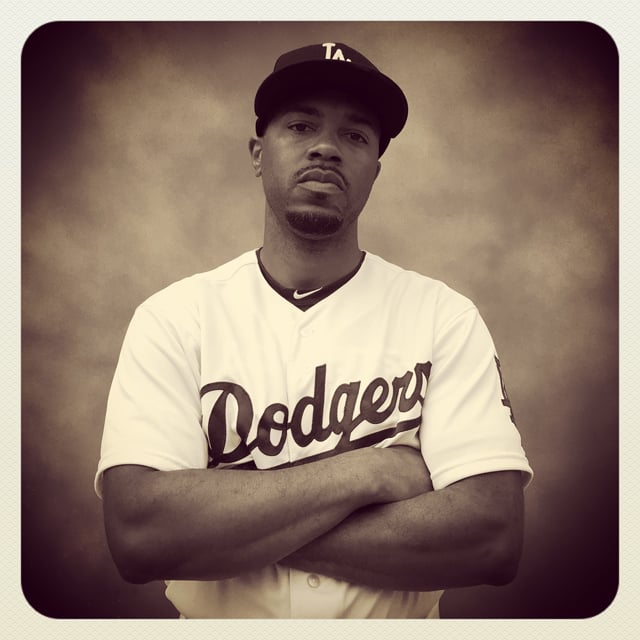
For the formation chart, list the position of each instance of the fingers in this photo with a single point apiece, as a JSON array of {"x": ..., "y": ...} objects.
[{"x": 403, "y": 473}]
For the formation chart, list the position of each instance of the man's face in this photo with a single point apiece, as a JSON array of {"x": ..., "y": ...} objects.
[{"x": 318, "y": 159}]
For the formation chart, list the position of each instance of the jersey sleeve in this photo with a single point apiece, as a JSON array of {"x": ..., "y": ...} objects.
[
  {"x": 153, "y": 415},
  {"x": 468, "y": 424}
]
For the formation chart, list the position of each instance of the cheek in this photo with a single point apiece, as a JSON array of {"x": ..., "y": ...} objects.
[
  {"x": 272, "y": 175},
  {"x": 276, "y": 167},
  {"x": 365, "y": 183},
  {"x": 275, "y": 185}
]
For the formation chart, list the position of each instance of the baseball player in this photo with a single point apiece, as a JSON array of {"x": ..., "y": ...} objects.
[{"x": 309, "y": 431}]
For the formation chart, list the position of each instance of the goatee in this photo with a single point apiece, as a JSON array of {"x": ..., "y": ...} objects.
[{"x": 314, "y": 223}]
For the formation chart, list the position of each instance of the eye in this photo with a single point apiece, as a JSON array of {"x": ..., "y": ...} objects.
[
  {"x": 356, "y": 136},
  {"x": 300, "y": 127}
]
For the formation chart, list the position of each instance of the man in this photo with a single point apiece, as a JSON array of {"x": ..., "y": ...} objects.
[{"x": 276, "y": 427}]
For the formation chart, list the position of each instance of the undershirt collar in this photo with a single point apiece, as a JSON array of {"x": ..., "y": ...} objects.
[{"x": 305, "y": 298}]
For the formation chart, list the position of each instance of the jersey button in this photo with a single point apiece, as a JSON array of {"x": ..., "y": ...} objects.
[{"x": 313, "y": 580}]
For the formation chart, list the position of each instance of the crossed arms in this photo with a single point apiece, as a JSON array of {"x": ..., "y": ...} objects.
[{"x": 368, "y": 516}]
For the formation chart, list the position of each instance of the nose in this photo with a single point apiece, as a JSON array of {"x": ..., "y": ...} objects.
[{"x": 325, "y": 148}]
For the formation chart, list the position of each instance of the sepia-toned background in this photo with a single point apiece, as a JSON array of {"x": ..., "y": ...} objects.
[{"x": 504, "y": 184}]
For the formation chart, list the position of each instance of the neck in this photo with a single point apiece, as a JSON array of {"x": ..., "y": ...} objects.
[{"x": 300, "y": 263}]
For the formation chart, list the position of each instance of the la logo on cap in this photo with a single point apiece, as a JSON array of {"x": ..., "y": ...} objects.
[{"x": 337, "y": 54}]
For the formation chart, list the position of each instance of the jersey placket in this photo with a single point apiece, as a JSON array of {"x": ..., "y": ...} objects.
[
  {"x": 300, "y": 363},
  {"x": 311, "y": 594}
]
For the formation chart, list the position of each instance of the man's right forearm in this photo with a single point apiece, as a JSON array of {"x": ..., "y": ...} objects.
[{"x": 214, "y": 524}]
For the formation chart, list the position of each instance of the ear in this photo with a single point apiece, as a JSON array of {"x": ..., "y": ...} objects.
[
  {"x": 378, "y": 169},
  {"x": 255, "y": 149}
]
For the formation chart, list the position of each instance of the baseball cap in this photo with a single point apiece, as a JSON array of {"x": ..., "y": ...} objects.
[{"x": 332, "y": 65}]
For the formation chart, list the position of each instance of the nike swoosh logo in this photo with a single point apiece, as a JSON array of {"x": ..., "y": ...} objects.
[{"x": 299, "y": 296}]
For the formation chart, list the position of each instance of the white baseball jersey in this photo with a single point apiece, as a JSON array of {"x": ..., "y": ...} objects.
[{"x": 219, "y": 370}]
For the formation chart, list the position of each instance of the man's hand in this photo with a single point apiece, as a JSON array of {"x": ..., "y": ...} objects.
[{"x": 401, "y": 473}]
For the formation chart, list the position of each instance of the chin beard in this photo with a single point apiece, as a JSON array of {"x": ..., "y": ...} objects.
[{"x": 313, "y": 223}]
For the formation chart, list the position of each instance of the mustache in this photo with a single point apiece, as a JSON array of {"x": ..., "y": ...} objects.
[{"x": 323, "y": 167}]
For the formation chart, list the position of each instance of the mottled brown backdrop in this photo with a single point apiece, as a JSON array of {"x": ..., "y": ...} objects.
[{"x": 504, "y": 184}]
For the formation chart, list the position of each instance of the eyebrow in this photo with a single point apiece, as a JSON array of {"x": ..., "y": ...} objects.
[{"x": 353, "y": 116}]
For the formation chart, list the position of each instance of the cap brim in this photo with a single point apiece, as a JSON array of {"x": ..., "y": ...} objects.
[{"x": 377, "y": 91}]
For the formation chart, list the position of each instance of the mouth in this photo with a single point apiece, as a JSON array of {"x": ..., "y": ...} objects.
[{"x": 320, "y": 179}]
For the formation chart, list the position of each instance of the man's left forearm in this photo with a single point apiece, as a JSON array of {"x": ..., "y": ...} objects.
[{"x": 467, "y": 534}]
